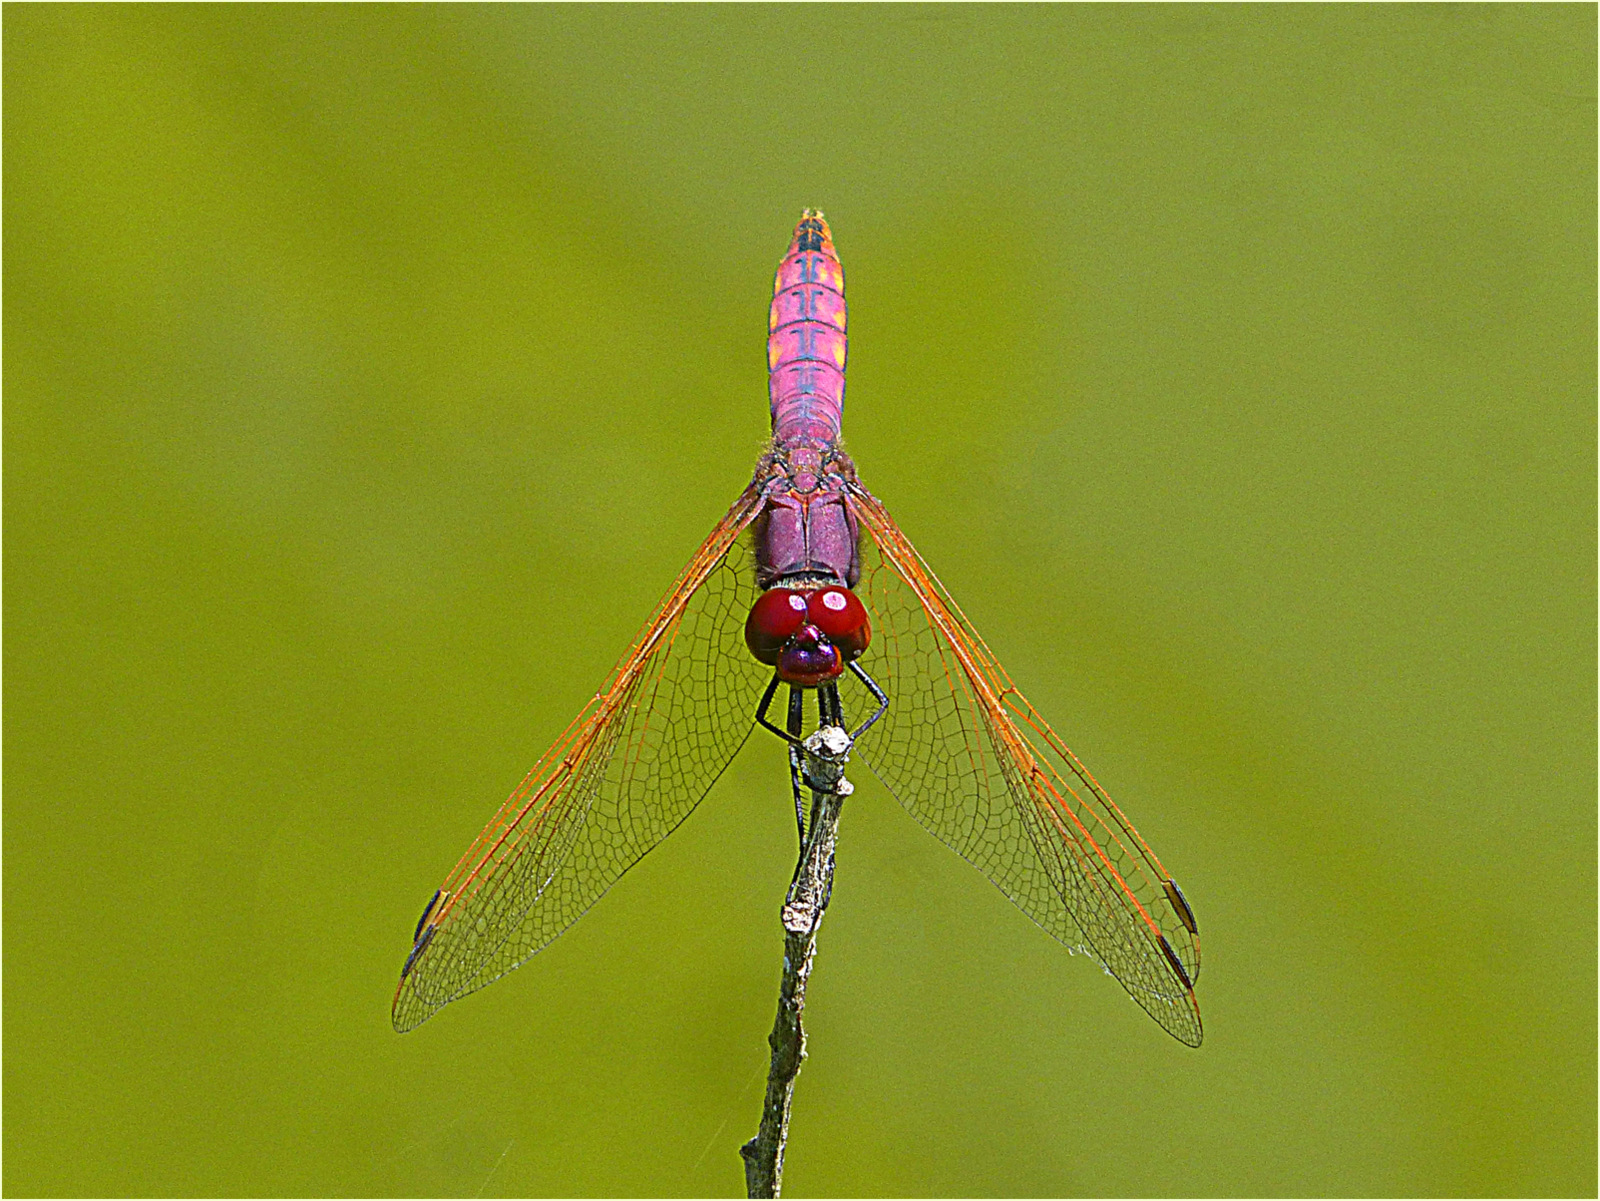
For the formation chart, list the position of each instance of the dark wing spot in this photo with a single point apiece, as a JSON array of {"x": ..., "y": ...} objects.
[
  {"x": 1177, "y": 964},
  {"x": 423, "y": 942},
  {"x": 1180, "y": 906},
  {"x": 423, "y": 919}
]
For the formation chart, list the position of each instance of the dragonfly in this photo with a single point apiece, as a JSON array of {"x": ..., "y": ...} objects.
[{"x": 808, "y": 586}]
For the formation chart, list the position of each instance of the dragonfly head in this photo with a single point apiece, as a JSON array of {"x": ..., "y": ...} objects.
[{"x": 808, "y": 636}]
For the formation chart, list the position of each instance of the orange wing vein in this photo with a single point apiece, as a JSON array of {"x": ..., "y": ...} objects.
[
  {"x": 632, "y": 765},
  {"x": 970, "y": 758}
]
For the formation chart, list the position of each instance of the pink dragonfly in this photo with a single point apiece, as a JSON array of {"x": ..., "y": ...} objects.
[{"x": 824, "y": 593}]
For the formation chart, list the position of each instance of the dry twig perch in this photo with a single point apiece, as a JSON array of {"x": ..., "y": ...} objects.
[{"x": 825, "y": 754}]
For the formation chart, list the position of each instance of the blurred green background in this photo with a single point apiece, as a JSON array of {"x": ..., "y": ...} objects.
[{"x": 370, "y": 372}]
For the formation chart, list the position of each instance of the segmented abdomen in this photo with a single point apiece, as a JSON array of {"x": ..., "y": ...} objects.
[{"x": 806, "y": 342}]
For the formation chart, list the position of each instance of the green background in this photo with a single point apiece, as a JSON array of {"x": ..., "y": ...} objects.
[{"x": 370, "y": 372}]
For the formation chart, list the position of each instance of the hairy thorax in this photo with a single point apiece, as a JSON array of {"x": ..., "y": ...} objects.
[{"x": 806, "y": 533}]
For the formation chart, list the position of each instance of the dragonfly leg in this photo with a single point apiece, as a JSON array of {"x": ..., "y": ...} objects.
[
  {"x": 797, "y": 718},
  {"x": 794, "y": 783},
  {"x": 766, "y": 703},
  {"x": 829, "y": 711},
  {"x": 872, "y": 687}
]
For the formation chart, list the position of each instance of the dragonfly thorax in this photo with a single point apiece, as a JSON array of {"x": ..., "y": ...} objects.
[{"x": 805, "y": 527}]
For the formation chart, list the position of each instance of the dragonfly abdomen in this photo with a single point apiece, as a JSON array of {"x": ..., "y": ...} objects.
[{"x": 806, "y": 339}]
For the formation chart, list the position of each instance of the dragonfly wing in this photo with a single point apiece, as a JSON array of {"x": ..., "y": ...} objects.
[
  {"x": 626, "y": 772},
  {"x": 965, "y": 753}
]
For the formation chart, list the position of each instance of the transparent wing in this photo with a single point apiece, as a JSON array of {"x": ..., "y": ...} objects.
[
  {"x": 972, "y": 761},
  {"x": 621, "y": 778}
]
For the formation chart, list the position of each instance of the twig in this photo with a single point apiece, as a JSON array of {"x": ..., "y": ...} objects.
[{"x": 825, "y": 754}]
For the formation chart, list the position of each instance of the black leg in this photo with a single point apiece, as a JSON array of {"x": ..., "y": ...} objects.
[
  {"x": 829, "y": 710},
  {"x": 794, "y": 784},
  {"x": 797, "y": 711},
  {"x": 797, "y": 718},
  {"x": 883, "y": 701},
  {"x": 766, "y": 703}
]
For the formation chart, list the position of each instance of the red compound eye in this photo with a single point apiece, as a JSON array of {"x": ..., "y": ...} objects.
[
  {"x": 843, "y": 618},
  {"x": 773, "y": 619}
]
